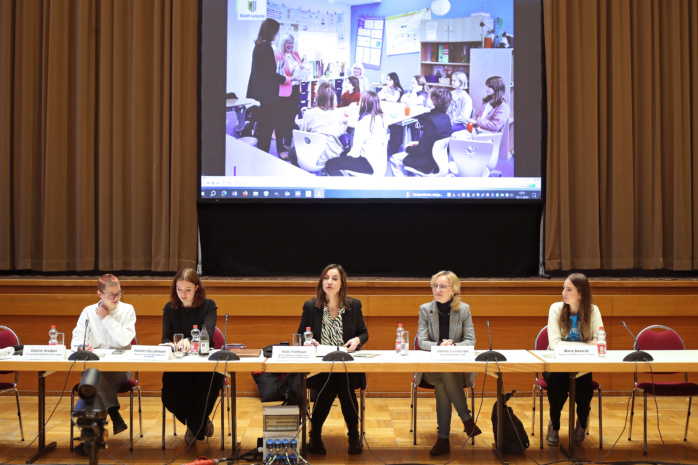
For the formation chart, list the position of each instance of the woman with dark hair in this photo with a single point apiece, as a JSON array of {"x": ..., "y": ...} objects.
[
  {"x": 190, "y": 396},
  {"x": 325, "y": 119},
  {"x": 437, "y": 126},
  {"x": 446, "y": 321},
  {"x": 393, "y": 91},
  {"x": 336, "y": 320},
  {"x": 370, "y": 135},
  {"x": 289, "y": 65},
  {"x": 575, "y": 320},
  {"x": 494, "y": 112},
  {"x": 353, "y": 92},
  {"x": 264, "y": 83}
]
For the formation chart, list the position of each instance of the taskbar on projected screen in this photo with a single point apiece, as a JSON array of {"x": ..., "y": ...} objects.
[{"x": 218, "y": 194}]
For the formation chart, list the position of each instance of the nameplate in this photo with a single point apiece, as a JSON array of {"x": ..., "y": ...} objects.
[
  {"x": 293, "y": 353},
  {"x": 573, "y": 352},
  {"x": 43, "y": 353},
  {"x": 452, "y": 353},
  {"x": 151, "y": 353}
]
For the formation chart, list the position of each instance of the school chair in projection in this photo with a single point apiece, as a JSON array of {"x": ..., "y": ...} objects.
[{"x": 471, "y": 157}]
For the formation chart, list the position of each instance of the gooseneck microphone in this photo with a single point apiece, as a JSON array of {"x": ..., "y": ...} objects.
[
  {"x": 84, "y": 354},
  {"x": 223, "y": 353},
  {"x": 638, "y": 355},
  {"x": 490, "y": 355}
]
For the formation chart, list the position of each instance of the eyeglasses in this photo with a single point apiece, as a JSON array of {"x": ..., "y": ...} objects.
[
  {"x": 116, "y": 295},
  {"x": 441, "y": 287}
]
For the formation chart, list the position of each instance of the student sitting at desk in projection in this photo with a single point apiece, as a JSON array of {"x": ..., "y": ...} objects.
[
  {"x": 417, "y": 96},
  {"x": 447, "y": 321},
  {"x": 325, "y": 119},
  {"x": 108, "y": 324},
  {"x": 392, "y": 92},
  {"x": 352, "y": 92},
  {"x": 573, "y": 320},
  {"x": 461, "y": 108},
  {"x": 494, "y": 112},
  {"x": 190, "y": 396},
  {"x": 370, "y": 135},
  {"x": 437, "y": 126},
  {"x": 336, "y": 320}
]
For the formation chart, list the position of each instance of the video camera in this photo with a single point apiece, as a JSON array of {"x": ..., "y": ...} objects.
[{"x": 90, "y": 415}]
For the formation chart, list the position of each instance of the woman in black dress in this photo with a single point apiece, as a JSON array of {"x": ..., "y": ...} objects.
[{"x": 190, "y": 396}]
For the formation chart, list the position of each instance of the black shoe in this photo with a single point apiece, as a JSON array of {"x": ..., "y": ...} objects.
[
  {"x": 471, "y": 428},
  {"x": 355, "y": 446},
  {"x": 120, "y": 427},
  {"x": 315, "y": 444},
  {"x": 81, "y": 449}
]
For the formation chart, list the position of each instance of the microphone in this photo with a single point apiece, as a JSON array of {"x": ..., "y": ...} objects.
[
  {"x": 490, "y": 355},
  {"x": 223, "y": 353},
  {"x": 84, "y": 354},
  {"x": 336, "y": 356},
  {"x": 638, "y": 355}
]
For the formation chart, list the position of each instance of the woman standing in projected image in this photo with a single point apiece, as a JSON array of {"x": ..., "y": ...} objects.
[
  {"x": 335, "y": 320},
  {"x": 190, "y": 396},
  {"x": 571, "y": 321},
  {"x": 264, "y": 83}
]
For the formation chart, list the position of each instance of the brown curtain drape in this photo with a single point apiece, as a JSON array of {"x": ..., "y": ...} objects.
[
  {"x": 98, "y": 164},
  {"x": 622, "y": 175}
]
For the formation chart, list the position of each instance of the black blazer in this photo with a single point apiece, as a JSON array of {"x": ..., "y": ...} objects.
[
  {"x": 352, "y": 321},
  {"x": 436, "y": 127},
  {"x": 264, "y": 80}
]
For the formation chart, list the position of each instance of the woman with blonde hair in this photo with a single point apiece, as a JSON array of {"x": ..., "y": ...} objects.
[
  {"x": 446, "y": 321},
  {"x": 461, "y": 108}
]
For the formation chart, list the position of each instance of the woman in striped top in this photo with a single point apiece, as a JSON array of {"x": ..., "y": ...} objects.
[{"x": 336, "y": 320}]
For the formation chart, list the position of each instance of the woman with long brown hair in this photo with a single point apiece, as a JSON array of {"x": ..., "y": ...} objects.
[
  {"x": 575, "y": 320},
  {"x": 336, "y": 320},
  {"x": 190, "y": 396}
]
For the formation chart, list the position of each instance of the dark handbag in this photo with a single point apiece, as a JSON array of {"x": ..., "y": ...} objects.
[{"x": 515, "y": 436}]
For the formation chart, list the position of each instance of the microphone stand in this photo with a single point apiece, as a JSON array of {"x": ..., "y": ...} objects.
[
  {"x": 84, "y": 354},
  {"x": 490, "y": 355},
  {"x": 638, "y": 355},
  {"x": 223, "y": 353}
]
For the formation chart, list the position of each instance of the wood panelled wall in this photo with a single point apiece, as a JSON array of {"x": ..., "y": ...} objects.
[{"x": 266, "y": 311}]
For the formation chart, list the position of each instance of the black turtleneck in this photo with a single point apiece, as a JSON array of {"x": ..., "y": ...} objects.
[{"x": 444, "y": 320}]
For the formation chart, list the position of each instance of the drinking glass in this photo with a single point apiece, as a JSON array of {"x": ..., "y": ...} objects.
[
  {"x": 405, "y": 346},
  {"x": 60, "y": 337},
  {"x": 296, "y": 339},
  {"x": 177, "y": 339}
]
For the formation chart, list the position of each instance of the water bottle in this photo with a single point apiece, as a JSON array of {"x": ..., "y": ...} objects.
[
  {"x": 601, "y": 342},
  {"x": 204, "y": 344},
  {"x": 400, "y": 338},
  {"x": 308, "y": 335},
  {"x": 53, "y": 336},
  {"x": 195, "y": 340}
]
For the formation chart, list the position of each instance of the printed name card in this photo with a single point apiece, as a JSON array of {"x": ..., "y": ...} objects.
[
  {"x": 571, "y": 352},
  {"x": 55, "y": 352},
  {"x": 151, "y": 353},
  {"x": 452, "y": 353},
  {"x": 293, "y": 353}
]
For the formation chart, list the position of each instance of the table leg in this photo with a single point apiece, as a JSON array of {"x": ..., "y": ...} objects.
[
  {"x": 569, "y": 451},
  {"x": 499, "y": 448},
  {"x": 234, "y": 412},
  {"x": 304, "y": 408},
  {"x": 43, "y": 448}
]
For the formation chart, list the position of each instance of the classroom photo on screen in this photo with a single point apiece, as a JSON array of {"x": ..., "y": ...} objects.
[{"x": 388, "y": 100}]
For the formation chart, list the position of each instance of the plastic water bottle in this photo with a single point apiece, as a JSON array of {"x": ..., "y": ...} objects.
[
  {"x": 204, "y": 344},
  {"x": 53, "y": 336},
  {"x": 195, "y": 340},
  {"x": 601, "y": 342},
  {"x": 308, "y": 335},
  {"x": 400, "y": 338}
]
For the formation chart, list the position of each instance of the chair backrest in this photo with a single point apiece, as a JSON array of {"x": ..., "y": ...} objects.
[
  {"x": 218, "y": 339},
  {"x": 440, "y": 154},
  {"x": 542, "y": 339},
  {"x": 658, "y": 337},
  {"x": 471, "y": 157},
  {"x": 7, "y": 337},
  {"x": 416, "y": 345},
  {"x": 309, "y": 147},
  {"x": 496, "y": 139}
]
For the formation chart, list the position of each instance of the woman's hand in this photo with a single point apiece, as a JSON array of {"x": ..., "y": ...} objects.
[
  {"x": 446, "y": 342},
  {"x": 352, "y": 344},
  {"x": 414, "y": 142}
]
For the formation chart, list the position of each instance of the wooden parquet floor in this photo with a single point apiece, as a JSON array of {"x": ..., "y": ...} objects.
[{"x": 387, "y": 433}]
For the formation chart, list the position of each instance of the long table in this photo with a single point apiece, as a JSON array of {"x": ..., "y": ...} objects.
[
  {"x": 122, "y": 363},
  {"x": 664, "y": 361},
  {"x": 388, "y": 361}
]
